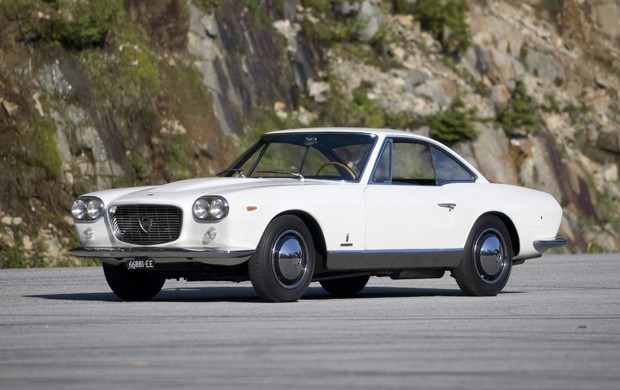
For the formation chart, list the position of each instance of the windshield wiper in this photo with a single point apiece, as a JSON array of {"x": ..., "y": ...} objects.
[
  {"x": 296, "y": 175},
  {"x": 233, "y": 170}
]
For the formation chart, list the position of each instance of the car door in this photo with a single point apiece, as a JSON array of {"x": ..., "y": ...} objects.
[{"x": 406, "y": 209}]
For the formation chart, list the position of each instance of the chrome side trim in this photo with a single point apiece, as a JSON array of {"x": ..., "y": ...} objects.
[
  {"x": 394, "y": 259},
  {"x": 542, "y": 245}
]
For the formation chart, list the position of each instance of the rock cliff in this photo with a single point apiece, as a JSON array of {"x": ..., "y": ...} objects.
[{"x": 111, "y": 93}]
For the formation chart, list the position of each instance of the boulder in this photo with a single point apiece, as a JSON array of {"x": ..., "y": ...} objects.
[
  {"x": 491, "y": 150},
  {"x": 368, "y": 17},
  {"x": 498, "y": 66},
  {"x": 439, "y": 91},
  {"x": 609, "y": 141}
]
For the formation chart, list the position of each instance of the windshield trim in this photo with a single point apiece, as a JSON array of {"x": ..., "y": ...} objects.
[{"x": 265, "y": 139}]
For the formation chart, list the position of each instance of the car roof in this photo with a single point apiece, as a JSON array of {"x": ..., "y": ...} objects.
[{"x": 382, "y": 132}]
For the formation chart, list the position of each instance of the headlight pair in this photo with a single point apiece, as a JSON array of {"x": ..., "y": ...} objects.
[
  {"x": 210, "y": 208},
  {"x": 87, "y": 209}
]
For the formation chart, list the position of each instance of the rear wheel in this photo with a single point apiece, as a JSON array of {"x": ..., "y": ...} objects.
[
  {"x": 345, "y": 287},
  {"x": 132, "y": 285},
  {"x": 487, "y": 262},
  {"x": 282, "y": 266}
]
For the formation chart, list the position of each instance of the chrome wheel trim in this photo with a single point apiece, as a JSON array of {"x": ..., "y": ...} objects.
[
  {"x": 288, "y": 259},
  {"x": 490, "y": 255}
]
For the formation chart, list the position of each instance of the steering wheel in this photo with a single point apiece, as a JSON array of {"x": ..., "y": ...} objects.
[{"x": 349, "y": 171}]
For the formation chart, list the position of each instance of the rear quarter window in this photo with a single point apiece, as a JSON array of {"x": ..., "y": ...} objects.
[{"x": 449, "y": 170}]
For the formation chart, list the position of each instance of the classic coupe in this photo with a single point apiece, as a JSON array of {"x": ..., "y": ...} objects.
[{"x": 331, "y": 205}]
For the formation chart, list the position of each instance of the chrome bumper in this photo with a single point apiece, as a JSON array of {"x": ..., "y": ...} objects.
[
  {"x": 214, "y": 256},
  {"x": 543, "y": 245}
]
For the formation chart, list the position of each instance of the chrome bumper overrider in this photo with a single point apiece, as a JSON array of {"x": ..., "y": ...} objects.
[
  {"x": 161, "y": 253},
  {"x": 542, "y": 245}
]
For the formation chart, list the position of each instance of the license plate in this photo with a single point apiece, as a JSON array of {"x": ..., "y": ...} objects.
[{"x": 141, "y": 264}]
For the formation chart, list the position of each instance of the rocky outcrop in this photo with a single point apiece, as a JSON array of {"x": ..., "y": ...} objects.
[{"x": 175, "y": 95}]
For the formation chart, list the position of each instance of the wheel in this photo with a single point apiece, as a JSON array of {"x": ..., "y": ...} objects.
[
  {"x": 345, "y": 287},
  {"x": 487, "y": 262},
  {"x": 346, "y": 168},
  {"x": 132, "y": 285},
  {"x": 282, "y": 266}
]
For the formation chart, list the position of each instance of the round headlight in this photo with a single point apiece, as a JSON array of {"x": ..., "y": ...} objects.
[
  {"x": 201, "y": 208},
  {"x": 78, "y": 210},
  {"x": 93, "y": 209},
  {"x": 218, "y": 208}
]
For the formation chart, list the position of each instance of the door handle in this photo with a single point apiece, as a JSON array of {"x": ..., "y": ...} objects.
[{"x": 450, "y": 206}]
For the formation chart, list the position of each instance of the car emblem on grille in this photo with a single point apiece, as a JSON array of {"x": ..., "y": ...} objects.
[{"x": 146, "y": 224}]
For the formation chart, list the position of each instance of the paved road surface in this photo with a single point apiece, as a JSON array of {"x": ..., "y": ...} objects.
[{"x": 556, "y": 326}]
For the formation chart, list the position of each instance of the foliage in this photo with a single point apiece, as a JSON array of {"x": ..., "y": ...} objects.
[
  {"x": 267, "y": 120},
  {"x": 330, "y": 26},
  {"x": 361, "y": 110},
  {"x": 75, "y": 25},
  {"x": 455, "y": 124},
  {"x": 446, "y": 21},
  {"x": 519, "y": 114},
  {"x": 43, "y": 149},
  {"x": 15, "y": 255},
  {"x": 12, "y": 256},
  {"x": 176, "y": 155},
  {"x": 319, "y": 6},
  {"x": 210, "y": 3},
  {"x": 131, "y": 73},
  {"x": 366, "y": 111}
]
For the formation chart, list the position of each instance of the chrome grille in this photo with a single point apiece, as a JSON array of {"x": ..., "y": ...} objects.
[{"x": 146, "y": 224}]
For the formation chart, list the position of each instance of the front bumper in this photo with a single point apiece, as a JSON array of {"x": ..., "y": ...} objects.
[{"x": 207, "y": 256}]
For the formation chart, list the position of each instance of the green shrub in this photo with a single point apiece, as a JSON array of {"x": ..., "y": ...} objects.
[
  {"x": 519, "y": 113},
  {"x": 455, "y": 124},
  {"x": 43, "y": 151},
  {"x": 366, "y": 112},
  {"x": 210, "y": 3},
  {"x": 177, "y": 156},
  {"x": 332, "y": 27},
  {"x": 445, "y": 20},
  {"x": 74, "y": 24}
]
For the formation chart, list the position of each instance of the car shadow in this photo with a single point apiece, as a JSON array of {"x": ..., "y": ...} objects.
[{"x": 247, "y": 294}]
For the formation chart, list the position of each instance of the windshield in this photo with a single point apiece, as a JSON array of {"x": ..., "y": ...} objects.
[{"x": 327, "y": 156}]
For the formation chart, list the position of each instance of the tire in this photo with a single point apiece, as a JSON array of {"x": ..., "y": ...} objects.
[
  {"x": 487, "y": 262},
  {"x": 132, "y": 285},
  {"x": 282, "y": 266},
  {"x": 345, "y": 287}
]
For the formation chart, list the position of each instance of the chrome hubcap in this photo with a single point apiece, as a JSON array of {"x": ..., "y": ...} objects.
[
  {"x": 490, "y": 255},
  {"x": 289, "y": 259}
]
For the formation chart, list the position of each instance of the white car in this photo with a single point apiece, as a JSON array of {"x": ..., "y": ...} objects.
[{"x": 332, "y": 205}]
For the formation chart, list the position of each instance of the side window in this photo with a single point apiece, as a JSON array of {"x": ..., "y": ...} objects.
[
  {"x": 412, "y": 164},
  {"x": 382, "y": 171},
  {"x": 448, "y": 170}
]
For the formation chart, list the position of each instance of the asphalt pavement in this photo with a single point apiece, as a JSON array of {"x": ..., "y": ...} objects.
[{"x": 555, "y": 326}]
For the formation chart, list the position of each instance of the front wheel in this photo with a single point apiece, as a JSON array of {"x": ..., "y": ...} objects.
[
  {"x": 487, "y": 262},
  {"x": 132, "y": 285},
  {"x": 282, "y": 266}
]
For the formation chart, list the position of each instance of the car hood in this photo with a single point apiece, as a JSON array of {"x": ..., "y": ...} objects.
[
  {"x": 199, "y": 187},
  {"x": 227, "y": 184}
]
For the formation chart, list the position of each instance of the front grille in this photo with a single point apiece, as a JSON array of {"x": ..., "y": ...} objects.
[{"x": 146, "y": 224}]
